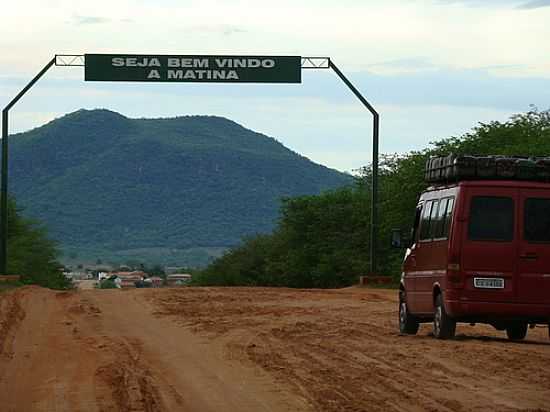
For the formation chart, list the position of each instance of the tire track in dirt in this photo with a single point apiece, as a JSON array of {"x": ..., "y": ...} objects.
[
  {"x": 186, "y": 373},
  {"x": 122, "y": 372},
  {"x": 105, "y": 351},
  {"x": 131, "y": 382},
  {"x": 64, "y": 362},
  {"x": 341, "y": 350},
  {"x": 252, "y": 349}
]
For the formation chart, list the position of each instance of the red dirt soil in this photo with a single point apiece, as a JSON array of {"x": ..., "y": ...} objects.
[{"x": 252, "y": 349}]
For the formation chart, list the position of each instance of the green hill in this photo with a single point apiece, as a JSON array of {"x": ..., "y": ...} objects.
[{"x": 156, "y": 190}]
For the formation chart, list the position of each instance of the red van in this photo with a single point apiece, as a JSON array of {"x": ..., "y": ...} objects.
[{"x": 480, "y": 253}]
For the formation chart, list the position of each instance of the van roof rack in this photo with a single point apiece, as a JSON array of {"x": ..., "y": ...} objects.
[{"x": 453, "y": 168}]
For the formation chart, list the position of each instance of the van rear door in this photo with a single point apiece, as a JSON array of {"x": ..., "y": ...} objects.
[
  {"x": 534, "y": 251},
  {"x": 490, "y": 248}
]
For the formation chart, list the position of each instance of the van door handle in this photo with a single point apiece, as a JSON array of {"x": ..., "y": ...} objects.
[{"x": 532, "y": 256}]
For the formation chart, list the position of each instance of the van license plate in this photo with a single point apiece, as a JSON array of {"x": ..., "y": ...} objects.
[{"x": 489, "y": 283}]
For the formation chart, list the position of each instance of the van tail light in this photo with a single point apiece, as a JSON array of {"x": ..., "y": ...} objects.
[{"x": 455, "y": 279}]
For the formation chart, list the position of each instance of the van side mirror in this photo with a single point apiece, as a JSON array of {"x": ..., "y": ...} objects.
[
  {"x": 400, "y": 241},
  {"x": 396, "y": 239}
]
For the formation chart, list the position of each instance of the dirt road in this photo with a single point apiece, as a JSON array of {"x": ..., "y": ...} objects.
[{"x": 241, "y": 349}]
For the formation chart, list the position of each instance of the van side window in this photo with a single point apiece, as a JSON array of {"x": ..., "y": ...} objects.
[
  {"x": 429, "y": 215},
  {"x": 417, "y": 216},
  {"x": 425, "y": 221},
  {"x": 491, "y": 219},
  {"x": 448, "y": 217},
  {"x": 444, "y": 216},
  {"x": 437, "y": 225},
  {"x": 435, "y": 218},
  {"x": 537, "y": 220}
]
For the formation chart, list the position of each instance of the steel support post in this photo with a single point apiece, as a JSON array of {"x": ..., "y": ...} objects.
[
  {"x": 375, "y": 138},
  {"x": 4, "y": 189},
  {"x": 4, "y": 196}
]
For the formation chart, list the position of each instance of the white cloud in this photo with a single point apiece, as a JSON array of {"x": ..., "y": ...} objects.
[
  {"x": 356, "y": 34},
  {"x": 518, "y": 4},
  {"x": 433, "y": 68},
  {"x": 534, "y": 4}
]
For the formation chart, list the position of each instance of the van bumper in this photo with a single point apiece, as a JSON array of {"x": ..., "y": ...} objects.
[{"x": 539, "y": 312}]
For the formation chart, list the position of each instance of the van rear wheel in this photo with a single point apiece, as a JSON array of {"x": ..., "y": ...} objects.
[
  {"x": 444, "y": 325},
  {"x": 517, "y": 331},
  {"x": 408, "y": 324}
]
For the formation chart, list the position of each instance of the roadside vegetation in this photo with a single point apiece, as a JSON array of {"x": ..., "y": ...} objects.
[
  {"x": 107, "y": 284},
  {"x": 323, "y": 241},
  {"x": 9, "y": 285},
  {"x": 31, "y": 254}
]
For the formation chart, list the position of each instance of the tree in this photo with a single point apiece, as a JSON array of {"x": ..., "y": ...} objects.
[
  {"x": 30, "y": 253},
  {"x": 155, "y": 270},
  {"x": 323, "y": 241}
]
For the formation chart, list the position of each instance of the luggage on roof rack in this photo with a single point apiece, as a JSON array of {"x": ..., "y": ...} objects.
[{"x": 453, "y": 168}]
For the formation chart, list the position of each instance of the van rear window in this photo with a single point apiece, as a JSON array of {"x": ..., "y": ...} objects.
[
  {"x": 537, "y": 220},
  {"x": 491, "y": 219}
]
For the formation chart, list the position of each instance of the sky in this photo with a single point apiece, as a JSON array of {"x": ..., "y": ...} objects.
[{"x": 431, "y": 68}]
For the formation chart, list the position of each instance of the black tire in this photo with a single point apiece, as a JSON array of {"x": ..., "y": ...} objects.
[
  {"x": 408, "y": 324},
  {"x": 517, "y": 331},
  {"x": 444, "y": 326}
]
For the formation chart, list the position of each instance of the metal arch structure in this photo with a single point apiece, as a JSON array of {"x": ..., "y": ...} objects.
[
  {"x": 78, "y": 60},
  {"x": 69, "y": 60}
]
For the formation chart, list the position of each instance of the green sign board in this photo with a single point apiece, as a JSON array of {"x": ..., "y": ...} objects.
[{"x": 209, "y": 69}]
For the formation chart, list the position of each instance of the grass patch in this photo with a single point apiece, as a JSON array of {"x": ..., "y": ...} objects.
[{"x": 9, "y": 285}]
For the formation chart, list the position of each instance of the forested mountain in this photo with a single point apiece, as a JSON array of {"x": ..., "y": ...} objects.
[{"x": 155, "y": 189}]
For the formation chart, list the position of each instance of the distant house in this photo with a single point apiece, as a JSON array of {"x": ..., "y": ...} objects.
[
  {"x": 157, "y": 281},
  {"x": 77, "y": 275},
  {"x": 128, "y": 279},
  {"x": 178, "y": 279},
  {"x": 102, "y": 275}
]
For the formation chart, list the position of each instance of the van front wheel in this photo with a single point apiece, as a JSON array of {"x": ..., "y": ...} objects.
[
  {"x": 408, "y": 324},
  {"x": 517, "y": 331},
  {"x": 444, "y": 325}
]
